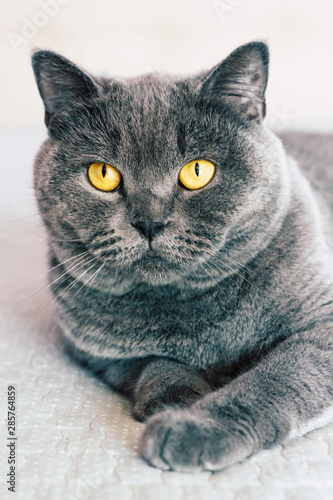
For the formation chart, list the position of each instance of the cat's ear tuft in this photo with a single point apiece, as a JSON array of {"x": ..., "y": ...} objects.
[
  {"x": 241, "y": 80},
  {"x": 59, "y": 81}
]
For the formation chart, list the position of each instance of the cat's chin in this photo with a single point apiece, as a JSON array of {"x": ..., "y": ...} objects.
[{"x": 159, "y": 280}]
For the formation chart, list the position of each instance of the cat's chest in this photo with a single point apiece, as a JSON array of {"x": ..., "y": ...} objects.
[{"x": 199, "y": 330}]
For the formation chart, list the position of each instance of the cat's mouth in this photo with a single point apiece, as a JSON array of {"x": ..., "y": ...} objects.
[
  {"x": 153, "y": 265},
  {"x": 153, "y": 254}
]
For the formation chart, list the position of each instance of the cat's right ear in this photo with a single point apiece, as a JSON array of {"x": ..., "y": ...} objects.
[{"x": 60, "y": 83}]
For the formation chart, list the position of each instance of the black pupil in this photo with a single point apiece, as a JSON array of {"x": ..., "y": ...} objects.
[
  {"x": 197, "y": 169},
  {"x": 103, "y": 170}
]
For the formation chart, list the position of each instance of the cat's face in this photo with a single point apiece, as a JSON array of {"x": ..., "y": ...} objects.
[{"x": 152, "y": 229}]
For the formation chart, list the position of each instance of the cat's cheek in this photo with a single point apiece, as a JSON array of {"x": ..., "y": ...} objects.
[{"x": 187, "y": 441}]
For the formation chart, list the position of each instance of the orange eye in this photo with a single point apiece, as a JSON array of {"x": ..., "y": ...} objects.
[
  {"x": 197, "y": 174},
  {"x": 104, "y": 176}
]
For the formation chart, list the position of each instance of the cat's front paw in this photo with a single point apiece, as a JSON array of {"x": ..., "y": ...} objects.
[
  {"x": 148, "y": 403},
  {"x": 190, "y": 441},
  {"x": 142, "y": 410}
]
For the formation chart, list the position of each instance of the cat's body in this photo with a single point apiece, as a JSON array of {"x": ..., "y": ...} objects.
[{"x": 229, "y": 306}]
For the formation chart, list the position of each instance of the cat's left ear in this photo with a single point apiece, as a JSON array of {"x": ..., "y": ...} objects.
[{"x": 241, "y": 81}]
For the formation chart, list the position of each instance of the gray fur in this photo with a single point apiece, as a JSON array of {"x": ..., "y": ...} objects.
[{"x": 220, "y": 328}]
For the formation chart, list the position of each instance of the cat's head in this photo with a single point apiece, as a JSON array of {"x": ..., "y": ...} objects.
[{"x": 161, "y": 179}]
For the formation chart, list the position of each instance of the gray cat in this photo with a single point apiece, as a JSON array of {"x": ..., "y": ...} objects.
[{"x": 190, "y": 259}]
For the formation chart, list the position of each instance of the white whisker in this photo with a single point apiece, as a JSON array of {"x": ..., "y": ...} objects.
[
  {"x": 54, "y": 281},
  {"x": 92, "y": 277},
  {"x": 71, "y": 285}
]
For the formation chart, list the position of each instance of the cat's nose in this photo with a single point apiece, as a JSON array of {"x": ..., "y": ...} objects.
[{"x": 149, "y": 228}]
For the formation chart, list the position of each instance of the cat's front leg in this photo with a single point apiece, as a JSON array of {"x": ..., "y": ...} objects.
[
  {"x": 151, "y": 383},
  {"x": 288, "y": 393},
  {"x": 163, "y": 383}
]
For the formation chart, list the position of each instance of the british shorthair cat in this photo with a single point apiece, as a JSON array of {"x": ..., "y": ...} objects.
[{"x": 190, "y": 257}]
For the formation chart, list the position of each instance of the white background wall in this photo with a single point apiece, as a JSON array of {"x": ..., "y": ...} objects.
[{"x": 128, "y": 37}]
